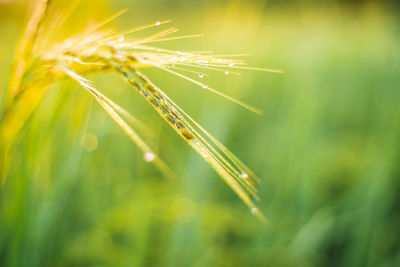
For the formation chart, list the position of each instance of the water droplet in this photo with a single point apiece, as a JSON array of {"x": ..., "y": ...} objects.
[
  {"x": 254, "y": 210},
  {"x": 173, "y": 65},
  {"x": 204, "y": 86},
  {"x": 244, "y": 175},
  {"x": 158, "y": 23},
  {"x": 121, "y": 38},
  {"x": 226, "y": 72},
  {"x": 149, "y": 157},
  {"x": 201, "y": 75},
  {"x": 230, "y": 64}
]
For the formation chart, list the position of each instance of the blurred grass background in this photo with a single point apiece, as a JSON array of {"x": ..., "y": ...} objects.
[{"x": 326, "y": 147}]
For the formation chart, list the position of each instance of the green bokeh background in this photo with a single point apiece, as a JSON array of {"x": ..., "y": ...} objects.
[{"x": 326, "y": 148}]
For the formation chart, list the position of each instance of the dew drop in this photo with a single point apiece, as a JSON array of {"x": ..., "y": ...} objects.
[
  {"x": 226, "y": 72},
  {"x": 204, "y": 154},
  {"x": 201, "y": 75},
  {"x": 204, "y": 86},
  {"x": 121, "y": 38},
  {"x": 149, "y": 157},
  {"x": 254, "y": 210},
  {"x": 244, "y": 175},
  {"x": 158, "y": 23},
  {"x": 230, "y": 64}
]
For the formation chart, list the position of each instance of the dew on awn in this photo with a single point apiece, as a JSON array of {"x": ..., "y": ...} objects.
[
  {"x": 244, "y": 175},
  {"x": 254, "y": 210},
  {"x": 149, "y": 156}
]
